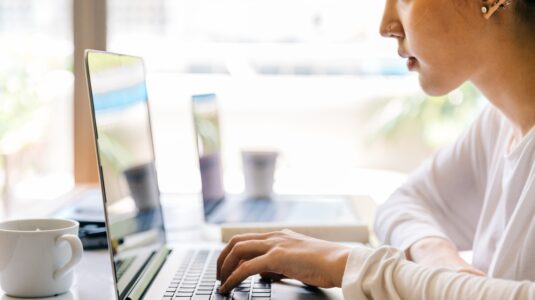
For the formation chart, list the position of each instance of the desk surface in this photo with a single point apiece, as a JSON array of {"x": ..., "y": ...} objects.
[
  {"x": 93, "y": 276},
  {"x": 93, "y": 279}
]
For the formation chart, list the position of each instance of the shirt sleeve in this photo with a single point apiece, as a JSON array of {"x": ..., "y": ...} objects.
[
  {"x": 444, "y": 196},
  {"x": 384, "y": 273}
]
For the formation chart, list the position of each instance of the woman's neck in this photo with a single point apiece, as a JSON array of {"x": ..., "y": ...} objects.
[{"x": 508, "y": 80}]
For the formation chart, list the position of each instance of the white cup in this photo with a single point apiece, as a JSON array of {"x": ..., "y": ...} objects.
[
  {"x": 37, "y": 256},
  {"x": 258, "y": 172}
]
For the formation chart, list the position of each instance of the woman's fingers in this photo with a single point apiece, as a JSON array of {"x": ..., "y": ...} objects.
[
  {"x": 244, "y": 250},
  {"x": 278, "y": 254},
  {"x": 236, "y": 239},
  {"x": 272, "y": 276},
  {"x": 248, "y": 268}
]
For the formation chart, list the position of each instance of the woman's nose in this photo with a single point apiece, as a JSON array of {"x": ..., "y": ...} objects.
[
  {"x": 392, "y": 29},
  {"x": 390, "y": 24}
]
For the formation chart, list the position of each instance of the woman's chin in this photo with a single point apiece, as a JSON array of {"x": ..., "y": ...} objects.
[{"x": 434, "y": 87}]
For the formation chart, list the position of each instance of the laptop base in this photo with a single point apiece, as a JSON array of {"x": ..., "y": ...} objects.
[{"x": 284, "y": 208}]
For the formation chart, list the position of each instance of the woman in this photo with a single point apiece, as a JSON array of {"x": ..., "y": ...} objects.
[{"x": 477, "y": 194}]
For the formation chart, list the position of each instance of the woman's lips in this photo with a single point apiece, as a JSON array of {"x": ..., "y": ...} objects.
[
  {"x": 411, "y": 60},
  {"x": 411, "y": 63}
]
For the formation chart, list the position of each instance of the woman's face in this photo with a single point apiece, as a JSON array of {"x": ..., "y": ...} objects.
[{"x": 440, "y": 39}]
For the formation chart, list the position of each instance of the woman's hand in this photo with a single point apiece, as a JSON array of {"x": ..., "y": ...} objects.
[
  {"x": 282, "y": 254},
  {"x": 439, "y": 252}
]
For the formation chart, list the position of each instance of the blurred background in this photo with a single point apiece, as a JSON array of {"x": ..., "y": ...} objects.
[{"x": 312, "y": 79}]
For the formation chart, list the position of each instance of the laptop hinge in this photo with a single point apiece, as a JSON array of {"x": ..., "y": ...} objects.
[{"x": 144, "y": 281}]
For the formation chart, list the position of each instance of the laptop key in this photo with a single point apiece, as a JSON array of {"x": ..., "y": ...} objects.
[
  {"x": 201, "y": 297},
  {"x": 221, "y": 297},
  {"x": 261, "y": 294},
  {"x": 261, "y": 285},
  {"x": 204, "y": 292},
  {"x": 240, "y": 295}
]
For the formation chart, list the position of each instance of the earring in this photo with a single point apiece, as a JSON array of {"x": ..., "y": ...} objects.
[{"x": 488, "y": 10}]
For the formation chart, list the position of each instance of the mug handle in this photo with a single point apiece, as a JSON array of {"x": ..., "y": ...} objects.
[{"x": 76, "y": 253}]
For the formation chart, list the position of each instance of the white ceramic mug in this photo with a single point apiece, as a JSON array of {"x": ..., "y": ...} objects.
[
  {"x": 37, "y": 256},
  {"x": 258, "y": 172}
]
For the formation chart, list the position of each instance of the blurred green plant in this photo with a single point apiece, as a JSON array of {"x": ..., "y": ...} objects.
[
  {"x": 434, "y": 120},
  {"x": 20, "y": 101},
  {"x": 26, "y": 67}
]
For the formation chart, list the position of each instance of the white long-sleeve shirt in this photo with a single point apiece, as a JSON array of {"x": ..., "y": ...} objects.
[
  {"x": 385, "y": 274},
  {"x": 480, "y": 194}
]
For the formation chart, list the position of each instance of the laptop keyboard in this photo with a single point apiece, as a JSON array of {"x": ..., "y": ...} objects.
[{"x": 196, "y": 279}]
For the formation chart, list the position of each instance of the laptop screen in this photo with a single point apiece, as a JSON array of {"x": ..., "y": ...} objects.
[
  {"x": 208, "y": 137},
  {"x": 126, "y": 158}
]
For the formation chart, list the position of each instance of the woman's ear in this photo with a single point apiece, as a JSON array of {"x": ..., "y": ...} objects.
[{"x": 490, "y": 7}]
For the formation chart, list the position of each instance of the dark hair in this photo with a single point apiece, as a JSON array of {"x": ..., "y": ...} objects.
[{"x": 525, "y": 9}]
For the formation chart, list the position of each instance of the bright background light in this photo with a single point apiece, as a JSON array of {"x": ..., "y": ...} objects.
[{"x": 310, "y": 78}]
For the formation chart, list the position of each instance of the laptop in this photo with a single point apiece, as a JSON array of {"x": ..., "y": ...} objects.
[
  {"x": 145, "y": 266},
  {"x": 220, "y": 207}
]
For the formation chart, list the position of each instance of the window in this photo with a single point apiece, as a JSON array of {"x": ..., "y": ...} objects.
[
  {"x": 36, "y": 86},
  {"x": 312, "y": 79}
]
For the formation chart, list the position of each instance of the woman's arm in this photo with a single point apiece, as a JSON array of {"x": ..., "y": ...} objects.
[
  {"x": 444, "y": 197},
  {"x": 384, "y": 273},
  {"x": 439, "y": 252},
  {"x": 363, "y": 273}
]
